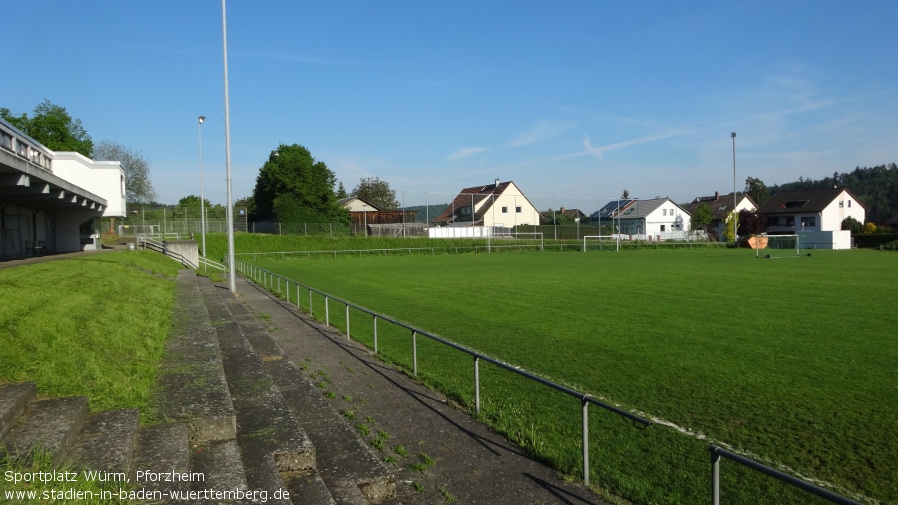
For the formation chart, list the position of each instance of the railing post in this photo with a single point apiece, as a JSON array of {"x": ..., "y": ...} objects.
[
  {"x": 327, "y": 311},
  {"x": 298, "y": 306},
  {"x": 476, "y": 384},
  {"x": 375, "y": 334},
  {"x": 715, "y": 476},
  {"x": 347, "y": 322},
  {"x": 310, "y": 302},
  {"x": 585, "y": 407},
  {"x": 415, "y": 353}
]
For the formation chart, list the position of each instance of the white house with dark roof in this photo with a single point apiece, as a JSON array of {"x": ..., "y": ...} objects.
[
  {"x": 721, "y": 208},
  {"x": 501, "y": 204},
  {"x": 815, "y": 215},
  {"x": 655, "y": 219}
]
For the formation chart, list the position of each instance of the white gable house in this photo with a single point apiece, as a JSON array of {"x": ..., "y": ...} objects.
[{"x": 656, "y": 219}]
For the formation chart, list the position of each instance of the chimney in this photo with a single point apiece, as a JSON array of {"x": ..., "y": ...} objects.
[
  {"x": 716, "y": 195},
  {"x": 497, "y": 183},
  {"x": 562, "y": 210}
]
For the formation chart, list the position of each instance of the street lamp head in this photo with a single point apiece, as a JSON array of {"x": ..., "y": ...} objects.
[
  {"x": 201, "y": 119},
  {"x": 733, "y": 135}
]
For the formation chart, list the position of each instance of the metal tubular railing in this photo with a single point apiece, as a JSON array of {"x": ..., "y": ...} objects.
[
  {"x": 254, "y": 272},
  {"x": 718, "y": 452}
]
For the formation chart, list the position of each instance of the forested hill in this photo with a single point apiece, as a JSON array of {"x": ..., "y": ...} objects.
[{"x": 876, "y": 187}]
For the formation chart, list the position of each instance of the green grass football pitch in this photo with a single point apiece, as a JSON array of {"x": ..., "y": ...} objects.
[{"x": 791, "y": 361}]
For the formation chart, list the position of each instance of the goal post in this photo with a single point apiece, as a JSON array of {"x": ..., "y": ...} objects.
[
  {"x": 776, "y": 246},
  {"x": 602, "y": 241}
]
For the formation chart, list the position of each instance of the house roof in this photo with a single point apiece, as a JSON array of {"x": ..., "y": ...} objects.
[
  {"x": 629, "y": 208},
  {"x": 346, "y": 202},
  {"x": 475, "y": 195},
  {"x": 812, "y": 200},
  {"x": 721, "y": 205},
  {"x": 572, "y": 213}
]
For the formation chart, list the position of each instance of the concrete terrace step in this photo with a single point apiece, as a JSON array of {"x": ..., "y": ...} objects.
[
  {"x": 13, "y": 400},
  {"x": 192, "y": 386},
  {"x": 345, "y": 463},
  {"x": 47, "y": 426},
  {"x": 162, "y": 448},
  {"x": 269, "y": 438},
  {"x": 106, "y": 442}
]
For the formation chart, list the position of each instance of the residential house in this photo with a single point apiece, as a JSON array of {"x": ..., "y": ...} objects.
[
  {"x": 655, "y": 219},
  {"x": 501, "y": 204},
  {"x": 816, "y": 215},
  {"x": 369, "y": 219},
  {"x": 574, "y": 214},
  {"x": 721, "y": 208}
]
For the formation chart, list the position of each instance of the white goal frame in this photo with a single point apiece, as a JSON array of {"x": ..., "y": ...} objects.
[
  {"x": 615, "y": 238},
  {"x": 771, "y": 238},
  {"x": 517, "y": 235}
]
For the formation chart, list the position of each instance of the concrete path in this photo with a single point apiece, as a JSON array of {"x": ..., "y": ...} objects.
[{"x": 470, "y": 464}]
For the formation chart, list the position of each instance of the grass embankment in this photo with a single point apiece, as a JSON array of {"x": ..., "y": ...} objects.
[
  {"x": 788, "y": 360},
  {"x": 92, "y": 326},
  {"x": 217, "y": 246}
]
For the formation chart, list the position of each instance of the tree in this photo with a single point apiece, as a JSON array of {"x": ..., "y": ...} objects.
[
  {"x": 138, "y": 187},
  {"x": 701, "y": 218},
  {"x": 853, "y": 225},
  {"x": 341, "y": 191},
  {"x": 757, "y": 190},
  {"x": 376, "y": 192},
  {"x": 293, "y": 187},
  {"x": 53, "y": 127},
  {"x": 625, "y": 194},
  {"x": 751, "y": 222},
  {"x": 731, "y": 223}
]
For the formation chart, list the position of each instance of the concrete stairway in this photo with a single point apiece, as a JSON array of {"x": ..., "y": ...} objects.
[{"x": 238, "y": 417}]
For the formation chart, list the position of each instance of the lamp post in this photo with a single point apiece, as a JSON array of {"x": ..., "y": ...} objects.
[
  {"x": 200, "y": 121},
  {"x": 733, "y": 136}
]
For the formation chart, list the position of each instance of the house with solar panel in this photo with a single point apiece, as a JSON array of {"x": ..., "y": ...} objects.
[
  {"x": 501, "y": 205},
  {"x": 656, "y": 219}
]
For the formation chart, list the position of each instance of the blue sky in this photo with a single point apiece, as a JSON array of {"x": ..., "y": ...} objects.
[{"x": 575, "y": 101}]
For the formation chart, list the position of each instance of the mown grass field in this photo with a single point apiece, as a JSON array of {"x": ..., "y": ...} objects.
[
  {"x": 790, "y": 361},
  {"x": 93, "y": 326}
]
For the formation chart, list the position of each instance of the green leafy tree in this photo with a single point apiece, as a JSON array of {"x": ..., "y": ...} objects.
[
  {"x": 731, "y": 223},
  {"x": 138, "y": 186},
  {"x": 853, "y": 225},
  {"x": 701, "y": 218},
  {"x": 757, "y": 190},
  {"x": 625, "y": 194},
  {"x": 53, "y": 127},
  {"x": 293, "y": 187},
  {"x": 377, "y": 192}
]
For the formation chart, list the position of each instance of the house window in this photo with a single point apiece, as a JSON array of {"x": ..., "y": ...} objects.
[
  {"x": 505, "y": 210},
  {"x": 790, "y": 221},
  {"x": 841, "y": 204},
  {"x": 517, "y": 209},
  {"x": 662, "y": 227},
  {"x": 849, "y": 203},
  {"x": 22, "y": 148},
  {"x": 808, "y": 221},
  {"x": 7, "y": 141}
]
